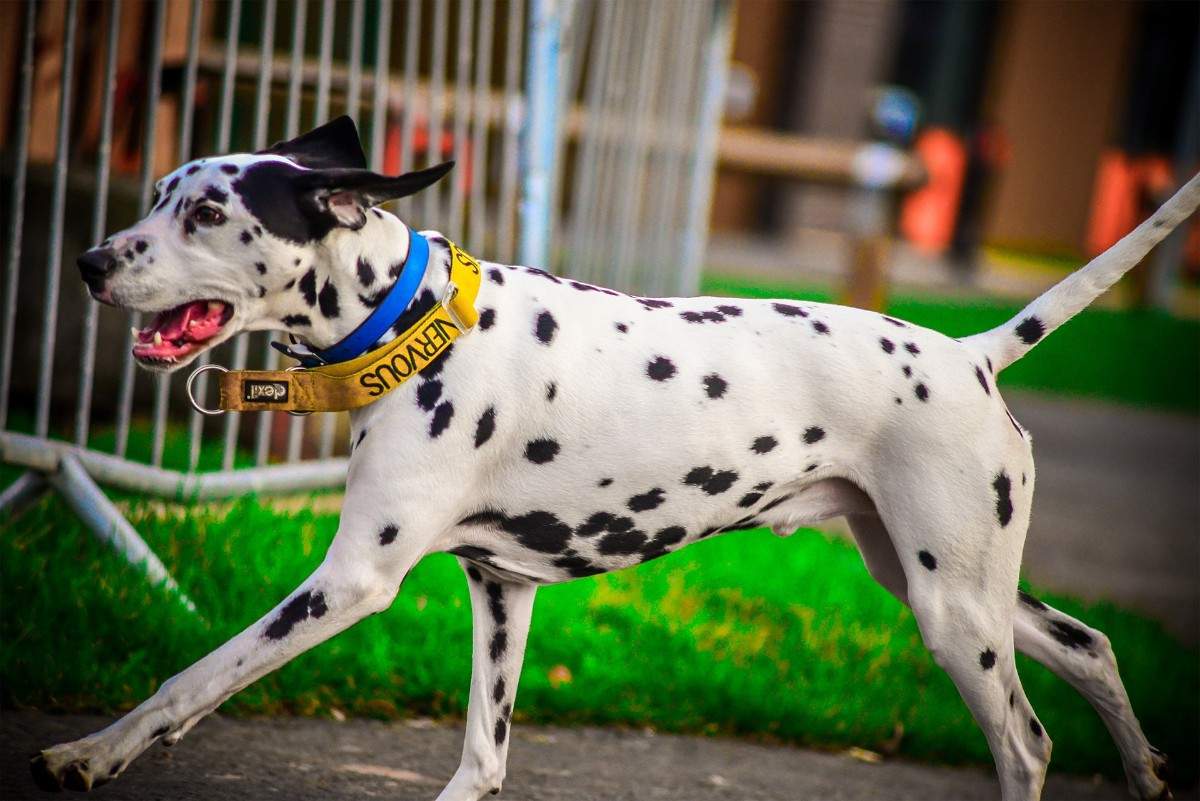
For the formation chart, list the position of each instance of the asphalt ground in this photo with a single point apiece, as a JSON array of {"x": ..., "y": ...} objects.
[{"x": 304, "y": 759}]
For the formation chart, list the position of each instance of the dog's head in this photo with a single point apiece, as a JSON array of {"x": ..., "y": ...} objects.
[{"x": 229, "y": 241}]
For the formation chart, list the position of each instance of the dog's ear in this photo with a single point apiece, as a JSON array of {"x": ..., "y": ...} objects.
[
  {"x": 341, "y": 196},
  {"x": 334, "y": 145}
]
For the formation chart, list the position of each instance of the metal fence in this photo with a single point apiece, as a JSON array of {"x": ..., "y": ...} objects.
[{"x": 585, "y": 131}]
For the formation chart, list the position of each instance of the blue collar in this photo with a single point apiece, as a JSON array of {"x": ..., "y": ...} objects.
[{"x": 385, "y": 314}]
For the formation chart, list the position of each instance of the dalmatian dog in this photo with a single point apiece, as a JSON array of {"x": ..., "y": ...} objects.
[{"x": 577, "y": 430}]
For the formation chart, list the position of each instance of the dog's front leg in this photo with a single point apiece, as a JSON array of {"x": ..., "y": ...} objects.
[
  {"x": 350, "y": 583},
  {"x": 500, "y": 612}
]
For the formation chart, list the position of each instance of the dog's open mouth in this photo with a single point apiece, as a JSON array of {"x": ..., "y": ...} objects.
[{"x": 177, "y": 333}]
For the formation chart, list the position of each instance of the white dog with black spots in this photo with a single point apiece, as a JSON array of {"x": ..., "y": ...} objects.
[{"x": 577, "y": 430}]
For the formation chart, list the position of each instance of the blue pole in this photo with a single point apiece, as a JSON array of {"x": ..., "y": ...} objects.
[{"x": 539, "y": 131}]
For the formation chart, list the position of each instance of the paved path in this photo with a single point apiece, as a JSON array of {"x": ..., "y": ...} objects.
[
  {"x": 301, "y": 759},
  {"x": 1116, "y": 511}
]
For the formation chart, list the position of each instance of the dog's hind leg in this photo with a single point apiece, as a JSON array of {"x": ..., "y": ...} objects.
[
  {"x": 500, "y": 613},
  {"x": 1083, "y": 657},
  {"x": 352, "y": 582},
  {"x": 958, "y": 534}
]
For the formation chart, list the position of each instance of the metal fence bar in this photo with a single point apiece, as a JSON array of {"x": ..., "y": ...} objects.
[
  {"x": 712, "y": 100},
  {"x": 512, "y": 114},
  {"x": 539, "y": 130},
  {"x": 624, "y": 26},
  {"x": 299, "y": 13},
  {"x": 295, "y": 434},
  {"x": 576, "y": 30},
  {"x": 462, "y": 105},
  {"x": 583, "y": 196},
  {"x": 58, "y": 205},
  {"x": 321, "y": 113},
  {"x": 412, "y": 51},
  {"x": 224, "y": 140},
  {"x": 146, "y": 193},
  {"x": 262, "y": 119},
  {"x": 187, "y": 113},
  {"x": 87, "y": 345},
  {"x": 379, "y": 91},
  {"x": 479, "y": 124},
  {"x": 17, "y": 215},
  {"x": 437, "y": 78},
  {"x": 354, "y": 46}
]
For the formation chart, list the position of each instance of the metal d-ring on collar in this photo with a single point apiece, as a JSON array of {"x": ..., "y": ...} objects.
[{"x": 192, "y": 380}]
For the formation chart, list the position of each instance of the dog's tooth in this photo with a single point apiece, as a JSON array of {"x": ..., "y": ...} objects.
[
  {"x": 133, "y": 330},
  {"x": 157, "y": 338}
]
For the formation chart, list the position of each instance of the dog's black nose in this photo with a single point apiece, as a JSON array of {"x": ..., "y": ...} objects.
[{"x": 95, "y": 265}]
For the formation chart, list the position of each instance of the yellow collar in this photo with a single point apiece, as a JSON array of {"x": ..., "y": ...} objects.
[{"x": 366, "y": 378}]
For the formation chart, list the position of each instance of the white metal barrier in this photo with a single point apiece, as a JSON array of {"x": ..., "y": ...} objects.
[{"x": 585, "y": 131}]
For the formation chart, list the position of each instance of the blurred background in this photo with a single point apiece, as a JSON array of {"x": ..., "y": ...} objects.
[{"x": 943, "y": 161}]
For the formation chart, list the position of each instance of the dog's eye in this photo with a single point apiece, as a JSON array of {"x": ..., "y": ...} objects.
[{"x": 207, "y": 215}]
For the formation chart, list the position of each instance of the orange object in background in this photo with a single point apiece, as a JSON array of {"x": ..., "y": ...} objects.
[
  {"x": 1126, "y": 189},
  {"x": 928, "y": 215}
]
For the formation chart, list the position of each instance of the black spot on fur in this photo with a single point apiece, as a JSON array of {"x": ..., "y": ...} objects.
[
  {"x": 140, "y": 246},
  {"x": 1004, "y": 505},
  {"x": 912, "y": 348},
  {"x": 979, "y": 376},
  {"x": 262, "y": 268},
  {"x": 541, "y": 531},
  {"x": 922, "y": 392},
  {"x": 732, "y": 311},
  {"x": 1069, "y": 635},
  {"x": 988, "y": 359},
  {"x": 660, "y": 368},
  {"x": 622, "y": 328},
  {"x": 749, "y": 499},
  {"x": 551, "y": 391},
  {"x": 764, "y": 445},
  {"x": 788, "y": 310},
  {"x": 441, "y": 419},
  {"x": 1030, "y": 601},
  {"x": 498, "y": 644},
  {"x": 820, "y": 327},
  {"x": 764, "y": 486},
  {"x": 293, "y": 320},
  {"x": 498, "y": 690},
  {"x": 540, "y": 451},
  {"x": 1030, "y": 330},
  {"x": 714, "y": 385},
  {"x": 598, "y": 522},
  {"x": 486, "y": 426},
  {"x": 473, "y": 573},
  {"x": 604, "y": 482},
  {"x": 545, "y": 327},
  {"x": 895, "y": 322},
  {"x": 577, "y": 566},
  {"x": 361, "y": 436},
  {"x": 308, "y": 286},
  {"x": 366, "y": 273},
  {"x": 328, "y": 299},
  {"x": 887, "y": 345},
  {"x": 542, "y": 274},
  {"x": 496, "y": 276},
  {"x": 246, "y": 237},
  {"x": 189, "y": 227},
  {"x": 495, "y": 594},
  {"x": 229, "y": 169},
  {"x": 487, "y": 318},
  {"x": 651, "y": 499},
  {"x": 814, "y": 434},
  {"x": 388, "y": 535},
  {"x": 987, "y": 659},
  {"x": 294, "y": 611},
  {"x": 907, "y": 370},
  {"x": 654, "y": 303},
  {"x": 712, "y": 482},
  {"x": 1035, "y": 727},
  {"x": 927, "y": 560},
  {"x": 621, "y": 542},
  {"x": 428, "y": 394}
]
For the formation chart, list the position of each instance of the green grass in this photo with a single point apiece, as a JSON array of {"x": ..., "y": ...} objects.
[
  {"x": 743, "y": 634},
  {"x": 1146, "y": 358}
]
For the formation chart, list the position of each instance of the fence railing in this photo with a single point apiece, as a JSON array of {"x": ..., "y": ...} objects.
[{"x": 584, "y": 130}]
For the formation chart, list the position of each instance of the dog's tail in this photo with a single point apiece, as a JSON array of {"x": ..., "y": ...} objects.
[{"x": 1011, "y": 341}]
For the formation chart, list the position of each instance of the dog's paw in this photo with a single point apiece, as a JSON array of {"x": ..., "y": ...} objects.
[
  {"x": 1152, "y": 784},
  {"x": 55, "y": 768}
]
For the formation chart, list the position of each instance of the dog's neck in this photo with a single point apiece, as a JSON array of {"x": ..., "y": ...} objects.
[{"x": 360, "y": 267}]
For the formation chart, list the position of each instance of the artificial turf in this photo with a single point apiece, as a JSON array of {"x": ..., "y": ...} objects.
[{"x": 743, "y": 634}]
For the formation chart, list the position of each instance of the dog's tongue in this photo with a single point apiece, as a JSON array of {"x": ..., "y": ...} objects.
[{"x": 175, "y": 331}]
